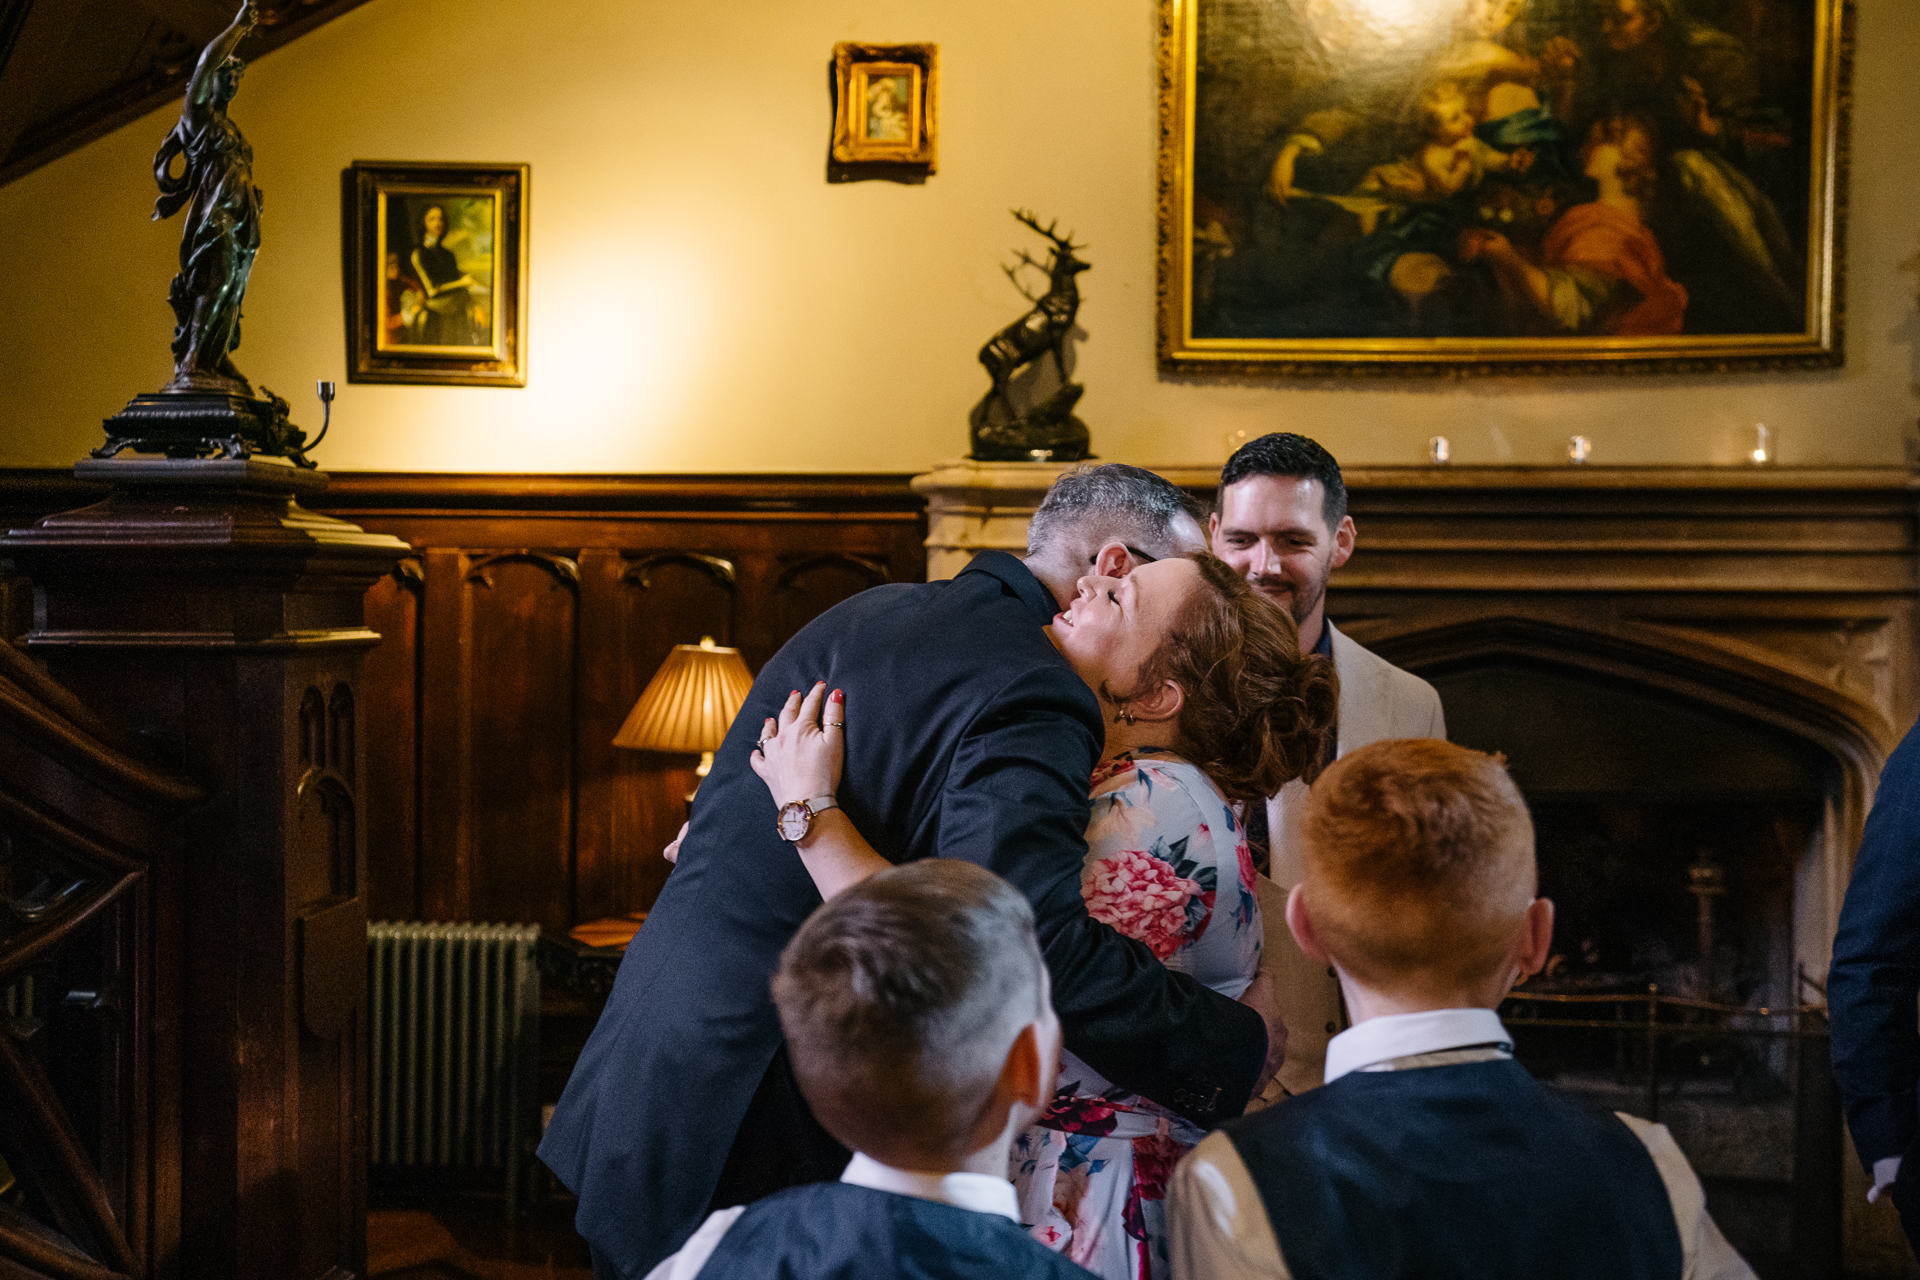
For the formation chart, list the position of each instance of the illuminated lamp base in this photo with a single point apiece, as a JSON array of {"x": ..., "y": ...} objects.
[{"x": 700, "y": 773}]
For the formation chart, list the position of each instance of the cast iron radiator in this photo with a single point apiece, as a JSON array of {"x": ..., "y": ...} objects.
[{"x": 454, "y": 1040}]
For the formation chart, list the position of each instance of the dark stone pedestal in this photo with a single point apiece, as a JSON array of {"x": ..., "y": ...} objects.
[
  {"x": 200, "y": 606},
  {"x": 193, "y": 424},
  {"x": 1047, "y": 432}
]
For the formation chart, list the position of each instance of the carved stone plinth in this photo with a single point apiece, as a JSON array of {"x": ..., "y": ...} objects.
[
  {"x": 1048, "y": 432},
  {"x": 194, "y": 424},
  {"x": 202, "y": 608}
]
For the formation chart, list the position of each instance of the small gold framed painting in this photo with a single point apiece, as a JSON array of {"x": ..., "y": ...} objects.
[
  {"x": 436, "y": 258},
  {"x": 884, "y": 96}
]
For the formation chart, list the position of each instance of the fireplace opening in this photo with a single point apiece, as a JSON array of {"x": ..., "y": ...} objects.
[{"x": 1687, "y": 849}]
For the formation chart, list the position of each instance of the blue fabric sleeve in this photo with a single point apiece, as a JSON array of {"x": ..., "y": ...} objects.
[{"x": 1873, "y": 988}]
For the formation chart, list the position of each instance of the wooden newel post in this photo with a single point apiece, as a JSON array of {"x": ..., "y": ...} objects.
[{"x": 200, "y": 606}]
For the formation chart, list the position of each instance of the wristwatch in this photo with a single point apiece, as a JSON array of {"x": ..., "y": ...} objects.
[{"x": 796, "y": 817}]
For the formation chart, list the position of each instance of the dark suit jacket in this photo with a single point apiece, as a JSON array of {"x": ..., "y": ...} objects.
[
  {"x": 968, "y": 736},
  {"x": 1875, "y": 978}
]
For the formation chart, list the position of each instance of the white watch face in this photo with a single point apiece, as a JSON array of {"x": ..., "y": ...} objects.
[{"x": 794, "y": 821}]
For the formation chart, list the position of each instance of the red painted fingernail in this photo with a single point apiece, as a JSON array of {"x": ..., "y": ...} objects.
[{"x": 838, "y": 696}]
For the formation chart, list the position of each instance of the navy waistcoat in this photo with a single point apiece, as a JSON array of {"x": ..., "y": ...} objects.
[
  {"x": 1474, "y": 1170},
  {"x": 836, "y": 1231}
]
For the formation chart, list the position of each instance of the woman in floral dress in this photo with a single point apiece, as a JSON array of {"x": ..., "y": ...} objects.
[
  {"x": 1220, "y": 706},
  {"x": 1167, "y": 864}
]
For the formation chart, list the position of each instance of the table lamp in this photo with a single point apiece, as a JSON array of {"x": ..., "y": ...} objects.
[{"x": 689, "y": 704}]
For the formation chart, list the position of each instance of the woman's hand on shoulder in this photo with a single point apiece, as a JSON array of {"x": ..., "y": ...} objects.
[
  {"x": 802, "y": 751},
  {"x": 672, "y": 852}
]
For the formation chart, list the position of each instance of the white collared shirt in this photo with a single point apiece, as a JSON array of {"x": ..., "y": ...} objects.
[
  {"x": 1377, "y": 1043},
  {"x": 1218, "y": 1222},
  {"x": 979, "y": 1192}
]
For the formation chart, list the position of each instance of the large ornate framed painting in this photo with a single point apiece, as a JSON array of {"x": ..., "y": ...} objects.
[
  {"x": 436, "y": 273},
  {"x": 1446, "y": 186}
]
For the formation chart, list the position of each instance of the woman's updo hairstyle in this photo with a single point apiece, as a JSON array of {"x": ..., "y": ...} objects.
[{"x": 1257, "y": 713}]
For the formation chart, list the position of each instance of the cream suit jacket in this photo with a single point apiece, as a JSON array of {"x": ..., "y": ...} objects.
[{"x": 1377, "y": 700}]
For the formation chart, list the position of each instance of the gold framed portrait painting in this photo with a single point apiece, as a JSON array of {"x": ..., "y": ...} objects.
[
  {"x": 1448, "y": 186},
  {"x": 436, "y": 256},
  {"x": 885, "y": 97}
]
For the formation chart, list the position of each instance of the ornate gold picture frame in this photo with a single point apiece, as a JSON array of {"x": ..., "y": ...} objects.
[
  {"x": 1501, "y": 186},
  {"x": 436, "y": 273},
  {"x": 885, "y": 104}
]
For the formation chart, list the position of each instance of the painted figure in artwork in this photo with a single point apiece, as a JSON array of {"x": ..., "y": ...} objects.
[
  {"x": 222, "y": 225},
  {"x": 886, "y": 114},
  {"x": 1601, "y": 270},
  {"x": 447, "y": 317}
]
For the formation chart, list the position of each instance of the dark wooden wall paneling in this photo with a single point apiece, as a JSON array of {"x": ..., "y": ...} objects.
[{"x": 518, "y": 635}]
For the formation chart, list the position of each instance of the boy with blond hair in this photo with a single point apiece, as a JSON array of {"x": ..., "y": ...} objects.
[
  {"x": 916, "y": 1009},
  {"x": 1430, "y": 1152}
]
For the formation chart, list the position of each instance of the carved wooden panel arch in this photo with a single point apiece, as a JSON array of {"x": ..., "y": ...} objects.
[
  {"x": 638, "y": 604},
  {"x": 719, "y": 567},
  {"x": 389, "y": 696},
  {"x": 870, "y": 571},
  {"x": 810, "y": 583},
  {"x": 324, "y": 794},
  {"x": 565, "y": 568},
  {"x": 505, "y": 624}
]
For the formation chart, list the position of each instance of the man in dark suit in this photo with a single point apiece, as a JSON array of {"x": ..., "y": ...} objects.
[
  {"x": 969, "y": 737},
  {"x": 1873, "y": 985}
]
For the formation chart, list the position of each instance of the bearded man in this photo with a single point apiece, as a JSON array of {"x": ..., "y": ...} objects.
[{"x": 1282, "y": 521}]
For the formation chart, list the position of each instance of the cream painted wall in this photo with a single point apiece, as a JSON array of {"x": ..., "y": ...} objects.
[{"x": 702, "y": 300}]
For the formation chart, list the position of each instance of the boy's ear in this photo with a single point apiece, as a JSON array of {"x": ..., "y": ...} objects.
[
  {"x": 1536, "y": 941},
  {"x": 1025, "y": 1077},
  {"x": 1112, "y": 561},
  {"x": 1301, "y": 925}
]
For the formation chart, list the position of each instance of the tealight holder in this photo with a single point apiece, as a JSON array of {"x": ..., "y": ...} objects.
[{"x": 1579, "y": 449}]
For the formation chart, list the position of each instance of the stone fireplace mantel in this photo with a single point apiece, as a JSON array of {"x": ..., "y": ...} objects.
[{"x": 1800, "y": 577}]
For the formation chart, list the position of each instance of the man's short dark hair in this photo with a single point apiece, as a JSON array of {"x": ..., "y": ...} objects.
[
  {"x": 900, "y": 998},
  {"x": 1292, "y": 457},
  {"x": 1128, "y": 503}
]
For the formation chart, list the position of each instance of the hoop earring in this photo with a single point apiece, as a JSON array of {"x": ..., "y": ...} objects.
[{"x": 1123, "y": 716}]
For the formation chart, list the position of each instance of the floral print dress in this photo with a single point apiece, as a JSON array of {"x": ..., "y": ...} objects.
[{"x": 1168, "y": 865}]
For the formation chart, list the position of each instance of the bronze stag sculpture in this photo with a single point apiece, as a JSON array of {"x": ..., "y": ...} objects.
[{"x": 1045, "y": 429}]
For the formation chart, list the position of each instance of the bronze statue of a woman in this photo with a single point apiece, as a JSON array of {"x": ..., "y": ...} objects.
[
  {"x": 209, "y": 407},
  {"x": 222, "y": 229}
]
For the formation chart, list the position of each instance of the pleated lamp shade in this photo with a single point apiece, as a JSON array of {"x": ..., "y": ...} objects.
[{"x": 690, "y": 702}]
